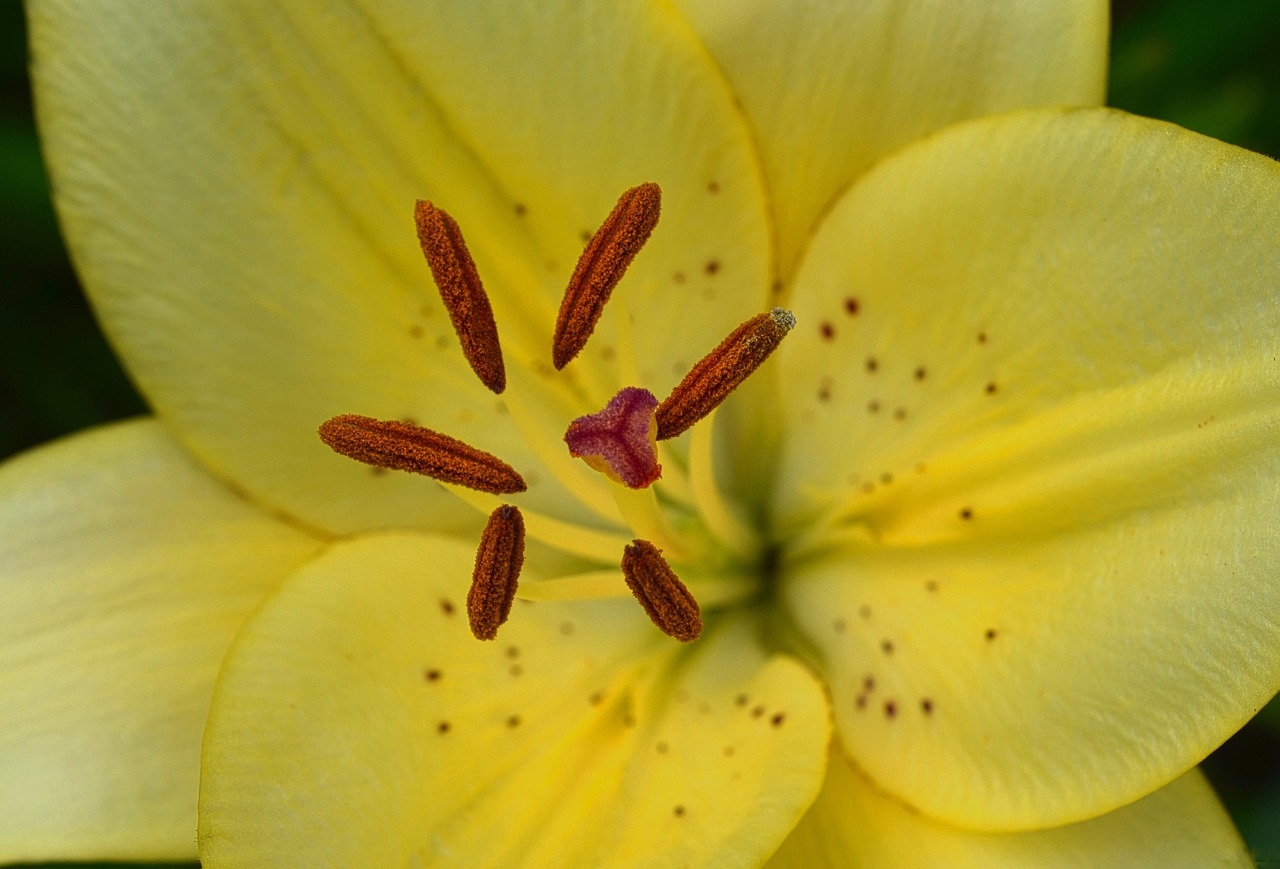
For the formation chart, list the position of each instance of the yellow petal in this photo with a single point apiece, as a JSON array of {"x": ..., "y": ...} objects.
[
  {"x": 853, "y": 825},
  {"x": 358, "y": 723},
  {"x": 238, "y": 183},
  {"x": 126, "y": 571},
  {"x": 1067, "y": 540},
  {"x": 829, "y": 88}
]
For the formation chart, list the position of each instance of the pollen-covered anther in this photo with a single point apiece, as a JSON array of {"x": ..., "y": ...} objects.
[
  {"x": 620, "y": 441},
  {"x": 462, "y": 293},
  {"x": 498, "y": 561},
  {"x": 664, "y": 597},
  {"x": 402, "y": 446},
  {"x": 722, "y": 370},
  {"x": 601, "y": 266}
]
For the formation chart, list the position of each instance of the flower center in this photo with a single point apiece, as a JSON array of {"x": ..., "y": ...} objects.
[{"x": 620, "y": 441}]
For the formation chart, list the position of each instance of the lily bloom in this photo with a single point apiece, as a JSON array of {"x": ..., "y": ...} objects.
[{"x": 972, "y": 564}]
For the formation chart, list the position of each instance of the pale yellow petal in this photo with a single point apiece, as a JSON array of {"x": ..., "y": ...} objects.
[
  {"x": 1037, "y": 385},
  {"x": 237, "y": 181},
  {"x": 854, "y": 826},
  {"x": 831, "y": 87},
  {"x": 358, "y": 723},
  {"x": 125, "y": 572}
]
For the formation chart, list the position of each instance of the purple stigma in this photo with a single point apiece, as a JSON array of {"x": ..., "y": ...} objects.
[{"x": 620, "y": 441}]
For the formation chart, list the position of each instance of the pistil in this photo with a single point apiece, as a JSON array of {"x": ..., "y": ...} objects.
[{"x": 619, "y": 440}]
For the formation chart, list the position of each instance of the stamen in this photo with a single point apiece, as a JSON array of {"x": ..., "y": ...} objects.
[
  {"x": 601, "y": 266},
  {"x": 498, "y": 562},
  {"x": 462, "y": 293},
  {"x": 721, "y": 371},
  {"x": 720, "y": 515},
  {"x": 571, "y": 538},
  {"x": 664, "y": 597},
  {"x": 404, "y": 447},
  {"x": 718, "y": 590},
  {"x": 619, "y": 440}
]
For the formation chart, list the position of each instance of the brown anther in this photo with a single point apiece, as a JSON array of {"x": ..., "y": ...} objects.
[
  {"x": 462, "y": 293},
  {"x": 404, "y": 447},
  {"x": 722, "y": 370},
  {"x": 664, "y": 597},
  {"x": 601, "y": 266},
  {"x": 498, "y": 561}
]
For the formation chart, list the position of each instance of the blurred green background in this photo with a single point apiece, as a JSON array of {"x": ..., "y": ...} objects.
[{"x": 1210, "y": 65}]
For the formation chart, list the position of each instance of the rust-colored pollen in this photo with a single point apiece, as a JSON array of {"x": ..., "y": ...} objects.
[
  {"x": 463, "y": 294},
  {"x": 664, "y": 597},
  {"x": 498, "y": 562},
  {"x": 601, "y": 266},
  {"x": 721, "y": 371},
  {"x": 405, "y": 447}
]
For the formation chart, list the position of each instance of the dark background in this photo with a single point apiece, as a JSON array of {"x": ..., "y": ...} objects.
[{"x": 1210, "y": 65}]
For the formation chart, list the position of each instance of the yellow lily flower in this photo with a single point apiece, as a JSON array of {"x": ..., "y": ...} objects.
[{"x": 983, "y": 554}]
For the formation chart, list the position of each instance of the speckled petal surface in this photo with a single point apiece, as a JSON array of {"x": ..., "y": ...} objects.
[
  {"x": 1038, "y": 392},
  {"x": 358, "y": 722}
]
